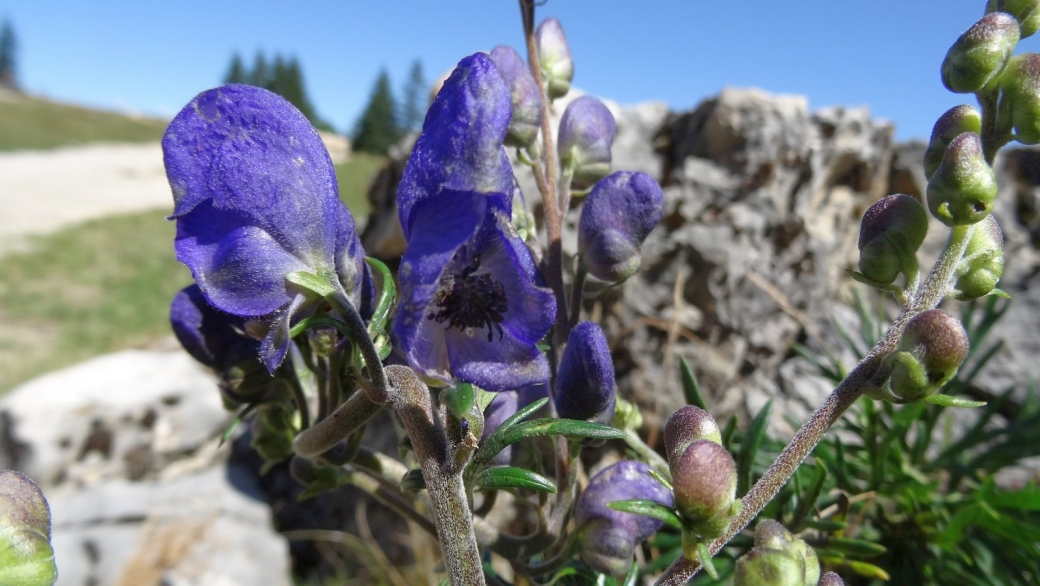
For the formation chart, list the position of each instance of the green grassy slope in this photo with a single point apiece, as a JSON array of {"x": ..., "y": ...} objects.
[{"x": 33, "y": 123}]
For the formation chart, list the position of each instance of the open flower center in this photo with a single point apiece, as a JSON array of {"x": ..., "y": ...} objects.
[{"x": 468, "y": 299}]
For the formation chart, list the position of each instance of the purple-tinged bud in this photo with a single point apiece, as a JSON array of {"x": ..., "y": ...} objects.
[
  {"x": 523, "y": 92},
  {"x": 685, "y": 426},
  {"x": 704, "y": 480},
  {"x": 587, "y": 131},
  {"x": 502, "y": 407},
  {"x": 1020, "y": 101},
  {"x": 1026, "y": 12},
  {"x": 830, "y": 579},
  {"x": 585, "y": 387},
  {"x": 983, "y": 263},
  {"x": 964, "y": 187},
  {"x": 954, "y": 122},
  {"x": 554, "y": 58},
  {"x": 607, "y": 537},
  {"x": 892, "y": 230},
  {"x": 26, "y": 555},
  {"x": 616, "y": 218},
  {"x": 975, "y": 60},
  {"x": 932, "y": 348}
]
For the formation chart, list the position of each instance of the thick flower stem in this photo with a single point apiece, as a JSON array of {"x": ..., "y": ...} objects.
[
  {"x": 444, "y": 482},
  {"x": 378, "y": 392},
  {"x": 863, "y": 377},
  {"x": 342, "y": 422}
]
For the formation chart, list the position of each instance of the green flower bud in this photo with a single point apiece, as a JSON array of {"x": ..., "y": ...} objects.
[
  {"x": 956, "y": 120},
  {"x": 26, "y": 556},
  {"x": 964, "y": 187},
  {"x": 1020, "y": 102},
  {"x": 771, "y": 534},
  {"x": 830, "y": 579},
  {"x": 554, "y": 58},
  {"x": 932, "y": 348},
  {"x": 1025, "y": 12},
  {"x": 891, "y": 232},
  {"x": 778, "y": 558},
  {"x": 762, "y": 566},
  {"x": 273, "y": 432},
  {"x": 704, "y": 481},
  {"x": 983, "y": 261},
  {"x": 686, "y": 426},
  {"x": 975, "y": 60}
]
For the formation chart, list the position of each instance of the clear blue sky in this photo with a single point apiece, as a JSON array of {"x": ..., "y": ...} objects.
[{"x": 153, "y": 57}]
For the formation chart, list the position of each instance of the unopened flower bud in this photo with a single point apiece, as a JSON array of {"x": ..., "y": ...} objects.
[
  {"x": 1026, "y": 12},
  {"x": 975, "y": 60},
  {"x": 554, "y": 58},
  {"x": 607, "y": 538},
  {"x": 762, "y": 566},
  {"x": 830, "y": 579},
  {"x": 983, "y": 261},
  {"x": 964, "y": 187},
  {"x": 955, "y": 121},
  {"x": 26, "y": 555},
  {"x": 704, "y": 479},
  {"x": 585, "y": 387},
  {"x": 272, "y": 432},
  {"x": 771, "y": 534},
  {"x": 523, "y": 91},
  {"x": 932, "y": 348},
  {"x": 502, "y": 407},
  {"x": 892, "y": 230},
  {"x": 1020, "y": 101},
  {"x": 587, "y": 131},
  {"x": 685, "y": 426},
  {"x": 616, "y": 218}
]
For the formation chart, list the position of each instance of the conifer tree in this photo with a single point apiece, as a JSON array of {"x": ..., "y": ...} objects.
[
  {"x": 236, "y": 71},
  {"x": 8, "y": 55},
  {"x": 415, "y": 99},
  {"x": 378, "y": 129}
]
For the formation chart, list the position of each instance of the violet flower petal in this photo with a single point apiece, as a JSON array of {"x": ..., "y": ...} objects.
[{"x": 460, "y": 147}]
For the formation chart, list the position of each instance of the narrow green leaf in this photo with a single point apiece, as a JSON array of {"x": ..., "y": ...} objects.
[
  {"x": 505, "y": 436},
  {"x": 749, "y": 447},
  {"x": 387, "y": 294},
  {"x": 311, "y": 282},
  {"x": 950, "y": 401},
  {"x": 318, "y": 321},
  {"x": 632, "y": 577},
  {"x": 512, "y": 477},
  {"x": 807, "y": 500},
  {"x": 825, "y": 526},
  {"x": 867, "y": 570},
  {"x": 852, "y": 547},
  {"x": 242, "y": 414},
  {"x": 648, "y": 508},
  {"x": 727, "y": 432},
  {"x": 660, "y": 478},
  {"x": 691, "y": 388}
]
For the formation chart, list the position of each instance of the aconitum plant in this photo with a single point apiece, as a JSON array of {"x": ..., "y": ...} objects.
[{"x": 311, "y": 339}]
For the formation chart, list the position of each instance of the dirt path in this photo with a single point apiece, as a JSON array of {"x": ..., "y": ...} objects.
[{"x": 45, "y": 191}]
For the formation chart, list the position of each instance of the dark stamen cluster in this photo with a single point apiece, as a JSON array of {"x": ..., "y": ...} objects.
[{"x": 471, "y": 300}]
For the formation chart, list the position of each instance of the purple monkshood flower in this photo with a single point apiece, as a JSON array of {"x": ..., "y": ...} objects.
[
  {"x": 616, "y": 218},
  {"x": 460, "y": 146},
  {"x": 608, "y": 538},
  {"x": 502, "y": 407},
  {"x": 585, "y": 386},
  {"x": 255, "y": 199},
  {"x": 523, "y": 90},
  {"x": 469, "y": 305},
  {"x": 214, "y": 338}
]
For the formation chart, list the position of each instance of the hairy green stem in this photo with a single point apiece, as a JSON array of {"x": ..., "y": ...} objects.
[
  {"x": 444, "y": 482},
  {"x": 379, "y": 392},
  {"x": 864, "y": 376},
  {"x": 345, "y": 420}
]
